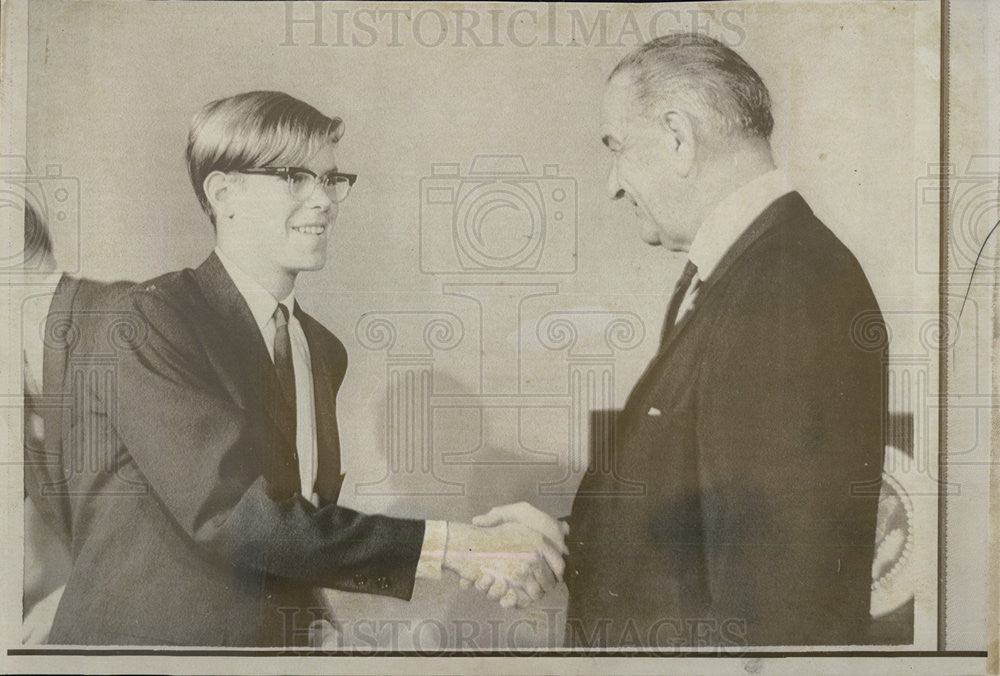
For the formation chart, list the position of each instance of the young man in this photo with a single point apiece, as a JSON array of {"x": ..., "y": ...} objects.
[{"x": 206, "y": 511}]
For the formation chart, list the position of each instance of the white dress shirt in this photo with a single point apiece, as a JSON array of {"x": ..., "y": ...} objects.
[
  {"x": 726, "y": 223},
  {"x": 262, "y": 306}
]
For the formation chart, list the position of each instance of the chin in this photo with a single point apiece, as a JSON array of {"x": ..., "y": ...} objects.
[
  {"x": 671, "y": 238},
  {"x": 650, "y": 235},
  {"x": 306, "y": 264},
  {"x": 316, "y": 264}
]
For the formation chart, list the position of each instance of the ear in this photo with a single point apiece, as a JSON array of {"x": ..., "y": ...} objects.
[
  {"x": 219, "y": 191},
  {"x": 679, "y": 129}
]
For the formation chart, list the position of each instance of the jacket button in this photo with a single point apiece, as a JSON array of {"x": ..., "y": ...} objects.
[
  {"x": 360, "y": 580},
  {"x": 383, "y": 582}
]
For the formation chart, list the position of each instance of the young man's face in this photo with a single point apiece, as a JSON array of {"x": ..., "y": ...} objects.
[{"x": 277, "y": 231}]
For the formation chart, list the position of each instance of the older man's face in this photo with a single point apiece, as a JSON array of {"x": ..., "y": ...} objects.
[{"x": 643, "y": 169}]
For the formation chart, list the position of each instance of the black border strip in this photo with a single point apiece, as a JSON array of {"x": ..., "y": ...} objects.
[
  {"x": 944, "y": 204},
  {"x": 171, "y": 652}
]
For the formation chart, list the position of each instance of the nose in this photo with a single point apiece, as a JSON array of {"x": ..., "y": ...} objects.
[
  {"x": 615, "y": 190},
  {"x": 320, "y": 201}
]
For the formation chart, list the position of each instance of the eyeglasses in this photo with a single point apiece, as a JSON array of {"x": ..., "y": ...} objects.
[{"x": 302, "y": 182}]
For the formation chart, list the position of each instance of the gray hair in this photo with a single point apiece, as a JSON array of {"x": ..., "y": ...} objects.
[{"x": 708, "y": 79}]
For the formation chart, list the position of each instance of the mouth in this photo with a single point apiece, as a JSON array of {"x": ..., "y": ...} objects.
[{"x": 311, "y": 229}]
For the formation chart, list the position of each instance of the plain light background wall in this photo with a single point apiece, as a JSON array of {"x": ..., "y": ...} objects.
[{"x": 113, "y": 86}]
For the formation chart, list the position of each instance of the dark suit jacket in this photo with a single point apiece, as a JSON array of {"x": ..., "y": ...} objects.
[
  {"x": 759, "y": 477},
  {"x": 187, "y": 522},
  {"x": 76, "y": 306}
]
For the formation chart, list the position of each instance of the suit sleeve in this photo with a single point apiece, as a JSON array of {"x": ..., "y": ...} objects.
[
  {"x": 789, "y": 435},
  {"x": 199, "y": 453},
  {"x": 76, "y": 312},
  {"x": 43, "y": 475}
]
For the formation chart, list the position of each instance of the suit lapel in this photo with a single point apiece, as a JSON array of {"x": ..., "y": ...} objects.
[
  {"x": 230, "y": 310},
  {"x": 709, "y": 293},
  {"x": 249, "y": 364},
  {"x": 328, "y": 477},
  {"x": 774, "y": 214}
]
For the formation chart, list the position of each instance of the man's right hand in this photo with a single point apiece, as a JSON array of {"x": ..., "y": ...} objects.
[
  {"x": 529, "y": 515},
  {"x": 515, "y": 563}
]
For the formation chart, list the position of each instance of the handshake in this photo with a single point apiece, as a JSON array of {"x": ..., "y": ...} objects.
[{"x": 513, "y": 553}]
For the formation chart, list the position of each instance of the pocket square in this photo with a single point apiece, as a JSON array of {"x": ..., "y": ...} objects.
[{"x": 654, "y": 412}]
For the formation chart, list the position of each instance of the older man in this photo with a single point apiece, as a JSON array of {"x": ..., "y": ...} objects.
[
  {"x": 755, "y": 431},
  {"x": 205, "y": 511}
]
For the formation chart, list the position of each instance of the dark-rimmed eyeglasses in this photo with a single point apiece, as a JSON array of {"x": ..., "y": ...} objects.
[{"x": 302, "y": 182}]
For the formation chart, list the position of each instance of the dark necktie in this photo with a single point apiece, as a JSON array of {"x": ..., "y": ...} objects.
[
  {"x": 283, "y": 365},
  {"x": 680, "y": 290}
]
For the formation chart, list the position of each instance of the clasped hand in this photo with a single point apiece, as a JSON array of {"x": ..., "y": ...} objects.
[{"x": 514, "y": 553}]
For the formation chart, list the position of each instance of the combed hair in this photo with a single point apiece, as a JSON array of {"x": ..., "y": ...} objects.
[
  {"x": 723, "y": 91},
  {"x": 254, "y": 130}
]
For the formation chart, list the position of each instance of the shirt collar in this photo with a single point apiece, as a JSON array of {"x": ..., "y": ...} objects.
[
  {"x": 262, "y": 303},
  {"x": 731, "y": 217}
]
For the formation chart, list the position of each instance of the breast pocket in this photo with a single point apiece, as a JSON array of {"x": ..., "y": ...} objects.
[
  {"x": 665, "y": 450},
  {"x": 653, "y": 445}
]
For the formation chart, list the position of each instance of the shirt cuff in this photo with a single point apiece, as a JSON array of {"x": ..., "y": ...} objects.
[{"x": 432, "y": 552}]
